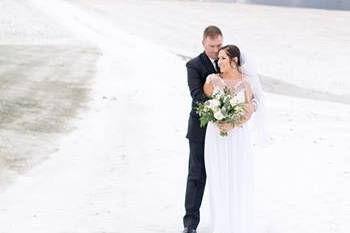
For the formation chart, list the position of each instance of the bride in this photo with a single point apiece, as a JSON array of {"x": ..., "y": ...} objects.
[{"x": 229, "y": 159}]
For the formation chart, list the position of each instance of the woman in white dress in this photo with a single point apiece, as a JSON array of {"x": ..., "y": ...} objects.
[{"x": 229, "y": 159}]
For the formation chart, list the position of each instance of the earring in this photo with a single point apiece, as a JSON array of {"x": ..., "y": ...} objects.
[{"x": 234, "y": 66}]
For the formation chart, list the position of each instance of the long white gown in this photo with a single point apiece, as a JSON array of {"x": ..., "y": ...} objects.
[{"x": 229, "y": 167}]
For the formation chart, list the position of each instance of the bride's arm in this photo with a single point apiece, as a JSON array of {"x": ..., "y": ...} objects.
[
  {"x": 208, "y": 87},
  {"x": 249, "y": 106},
  {"x": 249, "y": 99}
]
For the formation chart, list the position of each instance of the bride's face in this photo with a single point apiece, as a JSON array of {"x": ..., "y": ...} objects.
[{"x": 225, "y": 63}]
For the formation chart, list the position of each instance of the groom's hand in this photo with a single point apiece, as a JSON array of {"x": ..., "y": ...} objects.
[{"x": 208, "y": 88}]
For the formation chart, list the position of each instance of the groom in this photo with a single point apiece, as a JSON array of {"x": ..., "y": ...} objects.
[{"x": 198, "y": 69}]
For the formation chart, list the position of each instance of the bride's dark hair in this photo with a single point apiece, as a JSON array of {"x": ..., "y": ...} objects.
[{"x": 232, "y": 51}]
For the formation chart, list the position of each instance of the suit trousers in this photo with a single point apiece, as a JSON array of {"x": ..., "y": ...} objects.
[{"x": 195, "y": 184}]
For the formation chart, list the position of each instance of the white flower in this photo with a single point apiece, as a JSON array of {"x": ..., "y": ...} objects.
[
  {"x": 233, "y": 101},
  {"x": 214, "y": 104},
  {"x": 218, "y": 115}
]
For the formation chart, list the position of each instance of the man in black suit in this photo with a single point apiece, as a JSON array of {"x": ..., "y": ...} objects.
[{"x": 198, "y": 69}]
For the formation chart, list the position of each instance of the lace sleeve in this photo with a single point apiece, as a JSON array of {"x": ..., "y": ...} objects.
[
  {"x": 211, "y": 78},
  {"x": 209, "y": 84},
  {"x": 258, "y": 121},
  {"x": 248, "y": 90}
]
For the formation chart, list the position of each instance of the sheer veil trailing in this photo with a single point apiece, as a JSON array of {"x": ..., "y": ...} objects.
[{"x": 258, "y": 121}]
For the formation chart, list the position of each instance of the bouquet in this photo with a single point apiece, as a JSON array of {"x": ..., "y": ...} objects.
[{"x": 223, "y": 107}]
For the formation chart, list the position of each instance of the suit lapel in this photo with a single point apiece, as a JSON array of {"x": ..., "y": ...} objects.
[{"x": 207, "y": 63}]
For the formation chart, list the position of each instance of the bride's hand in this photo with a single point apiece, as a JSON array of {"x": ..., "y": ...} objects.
[
  {"x": 224, "y": 126},
  {"x": 248, "y": 112}
]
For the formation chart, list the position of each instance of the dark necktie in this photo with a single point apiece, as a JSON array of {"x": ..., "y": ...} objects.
[{"x": 217, "y": 66}]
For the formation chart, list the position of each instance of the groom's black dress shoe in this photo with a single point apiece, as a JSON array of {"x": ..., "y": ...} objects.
[{"x": 189, "y": 230}]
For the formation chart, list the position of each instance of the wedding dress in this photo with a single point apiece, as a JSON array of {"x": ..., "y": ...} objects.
[{"x": 229, "y": 167}]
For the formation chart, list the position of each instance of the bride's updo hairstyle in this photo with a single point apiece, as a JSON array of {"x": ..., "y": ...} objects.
[{"x": 232, "y": 51}]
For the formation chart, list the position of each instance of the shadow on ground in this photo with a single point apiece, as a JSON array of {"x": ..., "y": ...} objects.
[{"x": 42, "y": 88}]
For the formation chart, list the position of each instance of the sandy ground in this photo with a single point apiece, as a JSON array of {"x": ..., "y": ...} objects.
[
  {"x": 301, "y": 47},
  {"x": 42, "y": 89},
  {"x": 123, "y": 166},
  {"x": 46, "y": 73},
  {"x": 21, "y": 23}
]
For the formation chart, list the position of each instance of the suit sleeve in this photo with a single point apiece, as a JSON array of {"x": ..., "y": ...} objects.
[{"x": 195, "y": 84}]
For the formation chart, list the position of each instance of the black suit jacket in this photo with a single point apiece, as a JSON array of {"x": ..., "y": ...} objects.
[{"x": 198, "y": 69}]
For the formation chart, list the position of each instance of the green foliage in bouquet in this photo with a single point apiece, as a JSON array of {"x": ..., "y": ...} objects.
[{"x": 221, "y": 106}]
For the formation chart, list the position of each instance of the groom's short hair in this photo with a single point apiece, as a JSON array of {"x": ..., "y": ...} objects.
[{"x": 212, "y": 32}]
